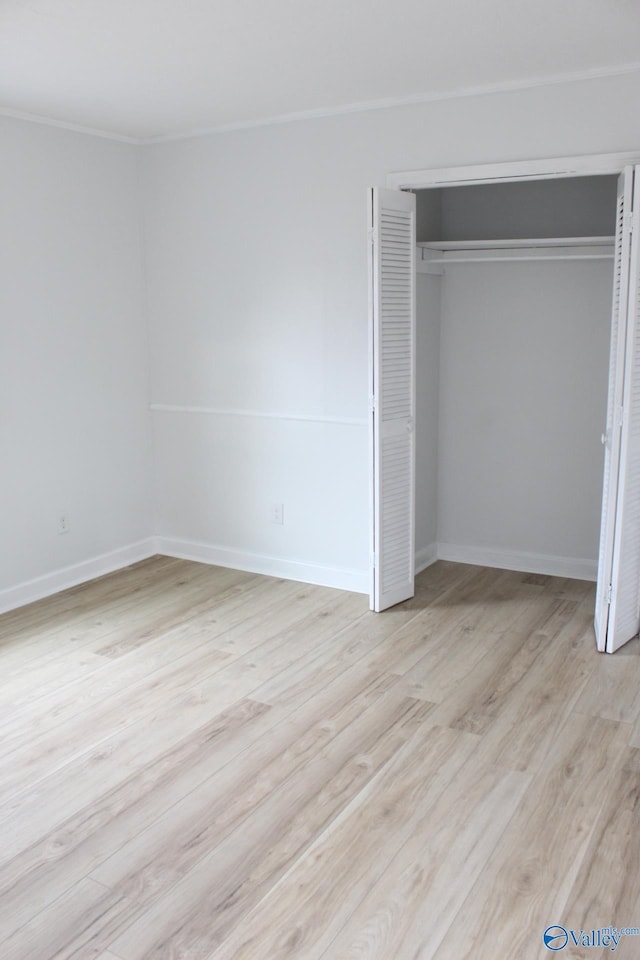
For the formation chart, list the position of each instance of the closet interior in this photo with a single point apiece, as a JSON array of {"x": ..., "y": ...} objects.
[{"x": 513, "y": 320}]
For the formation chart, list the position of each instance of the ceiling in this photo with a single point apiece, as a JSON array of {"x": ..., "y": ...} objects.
[{"x": 161, "y": 68}]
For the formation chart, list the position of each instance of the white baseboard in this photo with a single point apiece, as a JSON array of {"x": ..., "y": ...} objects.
[
  {"x": 426, "y": 556},
  {"x": 354, "y": 580},
  {"x": 50, "y": 583},
  {"x": 573, "y": 567}
]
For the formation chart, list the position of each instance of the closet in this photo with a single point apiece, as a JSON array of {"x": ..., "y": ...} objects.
[{"x": 500, "y": 394}]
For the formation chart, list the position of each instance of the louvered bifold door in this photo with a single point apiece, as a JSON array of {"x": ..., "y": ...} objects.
[
  {"x": 624, "y": 619},
  {"x": 392, "y": 385},
  {"x": 612, "y": 435}
]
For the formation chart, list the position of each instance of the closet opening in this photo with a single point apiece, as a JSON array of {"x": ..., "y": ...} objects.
[
  {"x": 513, "y": 316},
  {"x": 512, "y": 367}
]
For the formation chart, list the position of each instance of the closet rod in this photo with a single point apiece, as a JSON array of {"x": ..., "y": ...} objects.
[
  {"x": 443, "y": 261},
  {"x": 439, "y": 254},
  {"x": 527, "y": 243}
]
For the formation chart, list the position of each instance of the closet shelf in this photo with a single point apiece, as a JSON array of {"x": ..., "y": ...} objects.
[
  {"x": 441, "y": 252},
  {"x": 517, "y": 244}
]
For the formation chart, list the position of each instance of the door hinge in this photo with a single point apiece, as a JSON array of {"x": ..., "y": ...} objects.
[
  {"x": 609, "y": 595},
  {"x": 372, "y": 404},
  {"x": 374, "y": 559},
  {"x": 628, "y": 221}
]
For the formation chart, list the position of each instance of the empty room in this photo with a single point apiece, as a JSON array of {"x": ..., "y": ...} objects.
[{"x": 320, "y": 480}]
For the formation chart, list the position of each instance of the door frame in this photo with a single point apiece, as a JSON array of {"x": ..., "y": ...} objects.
[{"x": 550, "y": 168}]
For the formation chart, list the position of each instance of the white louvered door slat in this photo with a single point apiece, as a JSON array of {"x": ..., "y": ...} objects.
[
  {"x": 624, "y": 619},
  {"x": 614, "y": 403},
  {"x": 392, "y": 385}
]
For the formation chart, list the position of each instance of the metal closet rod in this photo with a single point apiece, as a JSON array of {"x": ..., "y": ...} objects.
[{"x": 480, "y": 251}]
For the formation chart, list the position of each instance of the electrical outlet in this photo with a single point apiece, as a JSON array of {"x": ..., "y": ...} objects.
[
  {"x": 63, "y": 523},
  {"x": 277, "y": 513}
]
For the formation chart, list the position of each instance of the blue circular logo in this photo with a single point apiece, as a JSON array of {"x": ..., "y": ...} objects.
[{"x": 555, "y": 938}]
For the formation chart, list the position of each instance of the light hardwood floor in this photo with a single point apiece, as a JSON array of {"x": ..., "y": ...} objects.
[{"x": 203, "y": 763}]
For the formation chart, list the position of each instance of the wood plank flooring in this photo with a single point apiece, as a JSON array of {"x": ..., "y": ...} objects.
[{"x": 204, "y": 764}]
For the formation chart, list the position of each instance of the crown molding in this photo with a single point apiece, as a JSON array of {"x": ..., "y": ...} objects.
[
  {"x": 72, "y": 127},
  {"x": 387, "y": 103}
]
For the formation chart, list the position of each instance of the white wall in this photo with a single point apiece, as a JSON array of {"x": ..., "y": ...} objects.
[
  {"x": 258, "y": 300},
  {"x": 429, "y": 215},
  {"x": 523, "y": 394},
  {"x": 573, "y": 207},
  {"x": 73, "y": 357}
]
